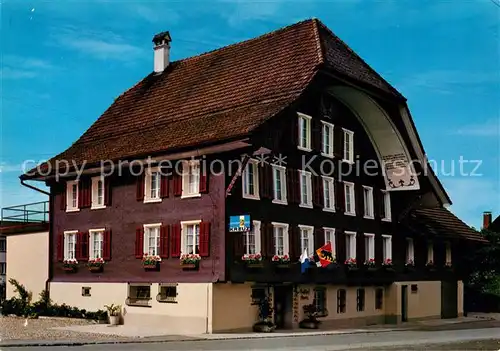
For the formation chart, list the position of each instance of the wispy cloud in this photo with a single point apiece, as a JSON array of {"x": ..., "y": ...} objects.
[
  {"x": 486, "y": 129},
  {"x": 18, "y": 67}
]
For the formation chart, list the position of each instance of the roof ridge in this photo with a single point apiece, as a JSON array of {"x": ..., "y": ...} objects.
[{"x": 321, "y": 53}]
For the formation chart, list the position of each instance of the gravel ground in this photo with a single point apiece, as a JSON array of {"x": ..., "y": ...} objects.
[
  {"x": 12, "y": 328},
  {"x": 493, "y": 345}
]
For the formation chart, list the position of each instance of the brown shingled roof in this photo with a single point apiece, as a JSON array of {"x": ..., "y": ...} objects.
[{"x": 218, "y": 95}]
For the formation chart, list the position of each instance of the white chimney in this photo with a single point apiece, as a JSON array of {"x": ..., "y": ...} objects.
[{"x": 162, "y": 51}]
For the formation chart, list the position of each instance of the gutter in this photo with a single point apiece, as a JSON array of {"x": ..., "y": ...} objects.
[{"x": 34, "y": 188}]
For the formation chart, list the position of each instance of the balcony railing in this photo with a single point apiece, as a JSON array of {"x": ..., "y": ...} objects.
[{"x": 36, "y": 212}]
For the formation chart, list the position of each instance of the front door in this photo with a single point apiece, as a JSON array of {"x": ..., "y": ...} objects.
[
  {"x": 282, "y": 306},
  {"x": 449, "y": 299},
  {"x": 404, "y": 303}
]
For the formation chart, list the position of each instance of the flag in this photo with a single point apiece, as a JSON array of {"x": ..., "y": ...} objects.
[
  {"x": 304, "y": 261},
  {"x": 325, "y": 254}
]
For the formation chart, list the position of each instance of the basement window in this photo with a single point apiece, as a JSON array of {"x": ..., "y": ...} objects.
[
  {"x": 360, "y": 300},
  {"x": 167, "y": 293},
  {"x": 341, "y": 300},
  {"x": 379, "y": 298},
  {"x": 85, "y": 291},
  {"x": 139, "y": 295}
]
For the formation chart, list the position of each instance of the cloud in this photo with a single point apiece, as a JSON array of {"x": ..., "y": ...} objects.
[
  {"x": 486, "y": 129},
  {"x": 19, "y": 67},
  {"x": 8, "y": 168}
]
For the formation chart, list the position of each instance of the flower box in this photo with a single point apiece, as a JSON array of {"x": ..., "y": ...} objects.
[
  {"x": 253, "y": 260},
  {"x": 69, "y": 269},
  {"x": 96, "y": 269},
  {"x": 190, "y": 261},
  {"x": 281, "y": 260},
  {"x": 151, "y": 262},
  {"x": 255, "y": 264},
  {"x": 70, "y": 265},
  {"x": 189, "y": 266},
  {"x": 96, "y": 265},
  {"x": 351, "y": 264}
]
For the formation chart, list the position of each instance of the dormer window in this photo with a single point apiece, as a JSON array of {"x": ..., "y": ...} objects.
[
  {"x": 348, "y": 146},
  {"x": 152, "y": 185},
  {"x": 304, "y": 132},
  {"x": 191, "y": 179},
  {"x": 72, "y": 196},
  {"x": 98, "y": 193}
]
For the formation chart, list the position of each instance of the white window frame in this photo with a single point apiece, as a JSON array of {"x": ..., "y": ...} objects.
[
  {"x": 70, "y": 199},
  {"x": 147, "y": 228},
  {"x": 386, "y": 198},
  {"x": 348, "y": 155},
  {"x": 92, "y": 234},
  {"x": 448, "y": 252},
  {"x": 330, "y": 232},
  {"x": 147, "y": 185},
  {"x": 310, "y": 238},
  {"x": 328, "y": 182},
  {"x": 368, "y": 202},
  {"x": 349, "y": 186},
  {"x": 256, "y": 233},
  {"x": 309, "y": 189},
  {"x": 187, "y": 168},
  {"x": 282, "y": 176},
  {"x": 67, "y": 234},
  {"x": 387, "y": 247},
  {"x": 95, "y": 193},
  {"x": 286, "y": 242},
  {"x": 430, "y": 252},
  {"x": 252, "y": 163},
  {"x": 371, "y": 247},
  {"x": 303, "y": 118},
  {"x": 410, "y": 250},
  {"x": 330, "y": 127},
  {"x": 184, "y": 225},
  {"x": 351, "y": 249}
]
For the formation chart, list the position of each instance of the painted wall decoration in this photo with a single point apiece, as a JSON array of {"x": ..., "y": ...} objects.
[{"x": 296, "y": 293}]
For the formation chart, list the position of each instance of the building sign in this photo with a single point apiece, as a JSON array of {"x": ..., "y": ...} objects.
[
  {"x": 399, "y": 175},
  {"x": 239, "y": 223}
]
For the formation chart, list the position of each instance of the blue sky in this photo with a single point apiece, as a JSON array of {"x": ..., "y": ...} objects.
[{"x": 64, "y": 62}]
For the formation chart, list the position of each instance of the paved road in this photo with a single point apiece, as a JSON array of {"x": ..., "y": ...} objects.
[{"x": 322, "y": 342}]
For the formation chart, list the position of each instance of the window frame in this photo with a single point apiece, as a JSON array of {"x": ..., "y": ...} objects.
[
  {"x": 92, "y": 233},
  {"x": 310, "y": 238},
  {"x": 69, "y": 196},
  {"x": 332, "y": 231},
  {"x": 341, "y": 301},
  {"x": 256, "y": 229},
  {"x": 95, "y": 193},
  {"x": 167, "y": 298},
  {"x": 330, "y": 127},
  {"x": 320, "y": 294},
  {"x": 330, "y": 183},
  {"x": 307, "y": 119},
  {"x": 350, "y": 186},
  {"x": 368, "y": 205},
  {"x": 145, "y": 246},
  {"x": 309, "y": 189},
  {"x": 67, "y": 233},
  {"x": 386, "y": 198},
  {"x": 352, "y": 246},
  {"x": 430, "y": 252},
  {"x": 189, "y": 166},
  {"x": 371, "y": 248},
  {"x": 410, "y": 250},
  {"x": 256, "y": 196},
  {"x": 386, "y": 239},
  {"x": 148, "y": 174},
  {"x": 184, "y": 225},
  {"x": 286, "y": 238},
  {"x": 3, "y": 268},
  {"x": 3, "y": 244},
  {"x": 448, "y": 253},
  {"x": 360, "y": 299},
  {"x": 350, "y": 146},
  {"x": 282, "y": 171},
  {"x": 379, "y": 298},
  {"x": 138, "y": 301}
]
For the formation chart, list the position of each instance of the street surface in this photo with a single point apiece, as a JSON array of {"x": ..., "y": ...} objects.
[{"x": 398, "y": 340}]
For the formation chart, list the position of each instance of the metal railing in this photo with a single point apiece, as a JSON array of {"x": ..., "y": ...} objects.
[{"x": 36, "y": 212}]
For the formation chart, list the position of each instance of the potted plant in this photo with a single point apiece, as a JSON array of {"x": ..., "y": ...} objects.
[
  {"x": 252, "y": 260},
  {"x": 70, "y": 265},
  {"x": 387, "y": 264},
  {"x": 311, "y": 321},
  {"x": 150, "y": 261},
  {"x": 190, "y": 261},
  {"x": 114, "y": 312},
  {"x": 448, "y": 265},
  {"x": 265, "y": 323},
  {"x": 96, "y": 264},
  {"x": 351, "y": 264},
  {"x": 370, "y": 264},
  {"x": 281, "y": 260}
]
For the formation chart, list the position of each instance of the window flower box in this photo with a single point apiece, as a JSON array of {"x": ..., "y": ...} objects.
[
  {"x": 281, "y": 261},
  {"x": 410, "y": 266},
  {"x": 253, "y": 260},
  {"x": 351, "y": 264},
  {"x": 190, "y": 261},
  {"x": 70, "y": 265},
  {"x": 430, "y": 266},
  {"x": 151, "y": 262},
  {"x": 448, "y": 265},
  {"x": 387, "y": 265},
  {"x": 370, "y": 265},
  {"x": 96, "y": 265}
]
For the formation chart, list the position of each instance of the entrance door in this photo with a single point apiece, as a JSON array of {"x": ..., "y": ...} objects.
[
  {"x": 449, "y": 299},
  {"x": 404, "y": 303},
  {"x": 282, "y": 306}
]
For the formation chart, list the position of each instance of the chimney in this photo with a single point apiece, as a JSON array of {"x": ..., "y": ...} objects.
[
  {"x": 486, "y": 219},
  {"x": 161, "y": 48}
]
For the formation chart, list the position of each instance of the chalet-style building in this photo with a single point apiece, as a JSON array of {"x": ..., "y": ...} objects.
[{"x": 329, "y": 153}]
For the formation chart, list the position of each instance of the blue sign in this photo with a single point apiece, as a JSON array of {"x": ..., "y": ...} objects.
[{"x": 239, "y": 223}]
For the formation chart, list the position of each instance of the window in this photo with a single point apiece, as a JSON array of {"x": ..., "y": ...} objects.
[
  {"x": 328, "y": 194},
  {"x": 448, "y": 253},
  {"x": 3, "y": 268},
  {"x": 341, "y": 300},
  {"x": 72, "y": 196},
  {"x": 410, "y": 253},
  {"x": 258, "y": 294},
  {"x": 387, "y": 247},
  {"x": 152, "y": 239},
  {"x": 252, "y": 239},
  {"x": 348, "y": 146},
  {"x": 306, "y": 239},
  {"x": 350, "y": 202},
  {"x": 3, "y": 244},
  {"x": 152, "y": 185},
  {"x": 430, "y": 252},
  {"x": 85, "y": 291},
  {"x": 360, "y": 300},
  {"x": 305, "y": 189},
  {"x": 250, "y": 179},
  {"x": 279, "y": 181},
  {"x": 280, "y": 238},
  {"x": 167, "y": 293},
  {"x": 320, "y": 301},
  {"x": 190, "y": 239},
  {"x": 70, "y": 245},
  {"x": 139, "y": 295},
  {"x": 386, "y": 206},
  {"x": 327, "y": 147},
  {"x": 330, "y": 237},
  {"x": 304, "y": 132},
  {"x": 191, "y": 179},
  {"x": 96, "y": 240},
  {"x": 350, "y": 245},
  {"x": 97, "y": 193},
  {"x": 369, "y": 247},
  {"x": 368, "y": 201},
  {"x": 379, "y": 298}
]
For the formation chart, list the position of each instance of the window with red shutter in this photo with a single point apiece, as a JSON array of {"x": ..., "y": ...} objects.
[
  {"x": 175, "y": 241},
  {"x": 106, "y": 245},
  {"x": 204, "y": 172},
  {"x": 60, "y": 247},
  {"x": 140, "y": 188},
  {"x": 139, "y": 242},
  {"x": 204, "y": 246},
  {"x": 164, "y": 236},
  {"x": 164, "y": 185}
]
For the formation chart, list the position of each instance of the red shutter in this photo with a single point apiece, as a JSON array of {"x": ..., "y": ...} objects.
[
  {"x": 81, "y": 194},
  {"x": 164, "y": 185},
  {"x": 88, "y": 191},
  {"x": 175, "y": 241},
  {"x": 204, "y": 247},
  {"x": 140, "y": 189},
  {"x": 60, "y": 247},
  {"x": 164, "y": 233},
  {"x": 63, "y": 197},
  {"x": 107, "y": 191},
  {"x": 84, "y": 193},
  {"x": 265, "y": 181},
  {"x": 139, "y": 242},
  {"x": 203, "y": 177},
  {"x": 340, "y": 200},
  {"x": 317, "y": 184},
  {"x": 78, "y": 246},
  {"x": 106, "y": 246},
  {"x": 83, "y": 240},
  {"x": 178, "y": 180}
]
